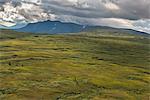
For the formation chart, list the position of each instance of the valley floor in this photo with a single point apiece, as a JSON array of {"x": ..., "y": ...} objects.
[{"x": 74, "y": 67}]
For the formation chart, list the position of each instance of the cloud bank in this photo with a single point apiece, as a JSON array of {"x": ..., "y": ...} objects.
[{"x": 134, "y": 14}]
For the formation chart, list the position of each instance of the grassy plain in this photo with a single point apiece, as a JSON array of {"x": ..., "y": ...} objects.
[{"x": 83, "y": 66}]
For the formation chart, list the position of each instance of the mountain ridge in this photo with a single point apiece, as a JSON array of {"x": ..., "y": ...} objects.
[
  {"x": 52, "y": 27},
  {"x": 55, "y": 27}
]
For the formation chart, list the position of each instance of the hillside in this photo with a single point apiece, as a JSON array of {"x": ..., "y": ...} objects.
[{"x": 94, "y": 65}]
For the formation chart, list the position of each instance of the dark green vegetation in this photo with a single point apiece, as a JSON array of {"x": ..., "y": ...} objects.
[{"x": 84, "y": 66}]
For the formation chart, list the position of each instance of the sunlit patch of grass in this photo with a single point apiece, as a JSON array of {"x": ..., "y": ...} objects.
[{"x": 85, "y": 66}]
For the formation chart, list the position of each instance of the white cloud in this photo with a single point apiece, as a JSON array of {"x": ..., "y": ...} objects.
[
  {"x": 25, "y": 12},
  {"x": 111, "y": 6},
  {"x": 142, "y": 25},
  {"x": 8, "y": 24}
]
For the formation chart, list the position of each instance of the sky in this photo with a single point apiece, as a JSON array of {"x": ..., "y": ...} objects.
[{"x": 132, "y": 14}]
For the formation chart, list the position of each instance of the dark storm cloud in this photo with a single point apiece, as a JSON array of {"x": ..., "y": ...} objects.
[{"x": 127, "y": 9}]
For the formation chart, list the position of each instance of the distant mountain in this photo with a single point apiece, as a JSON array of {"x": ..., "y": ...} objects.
[{"x": 52, "y": 27}]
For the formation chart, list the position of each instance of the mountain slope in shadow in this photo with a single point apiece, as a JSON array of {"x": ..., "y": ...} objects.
[{"x": 55, "y": 27}]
